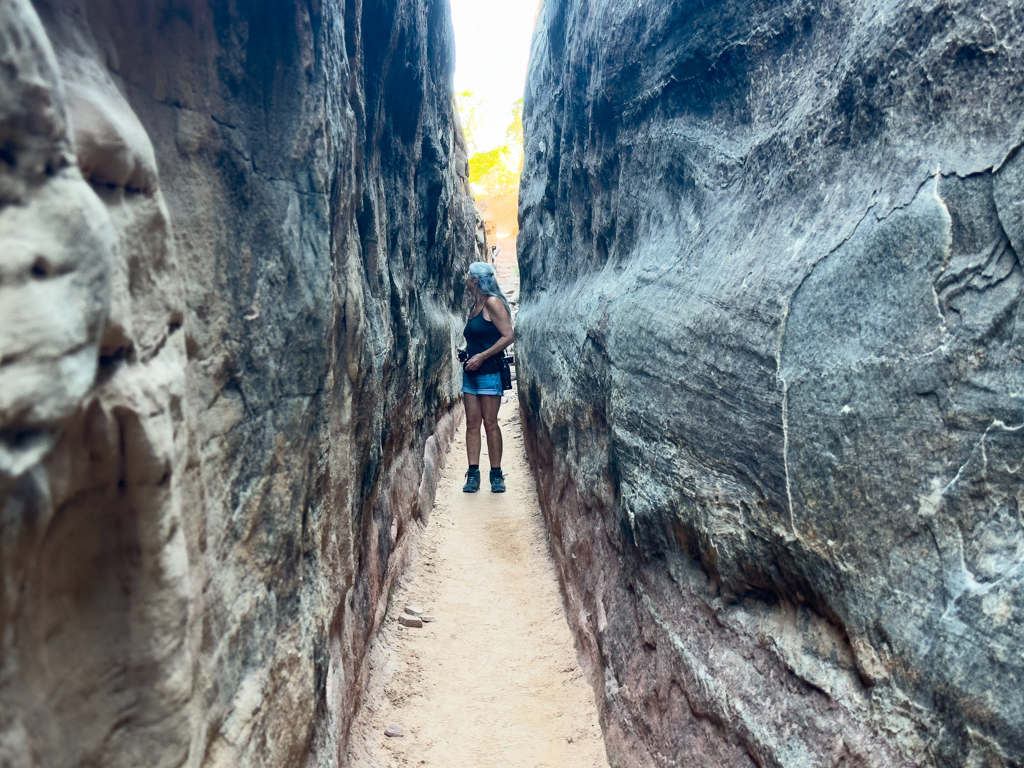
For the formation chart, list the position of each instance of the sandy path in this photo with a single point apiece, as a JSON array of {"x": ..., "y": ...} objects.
[{"x": 494, "y": 681}]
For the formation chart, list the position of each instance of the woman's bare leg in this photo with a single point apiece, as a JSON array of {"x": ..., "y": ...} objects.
[
  {"x": 473, "y": 418},
  {"x": 489, "y": 407}
]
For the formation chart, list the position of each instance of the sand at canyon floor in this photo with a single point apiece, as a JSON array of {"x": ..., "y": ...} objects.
[{"x": 494, "y": 680}]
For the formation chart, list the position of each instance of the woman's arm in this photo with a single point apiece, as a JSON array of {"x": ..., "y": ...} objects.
[{"x": 499, "y": 316}]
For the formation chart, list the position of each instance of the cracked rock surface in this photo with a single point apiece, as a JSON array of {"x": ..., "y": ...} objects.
[
  {"x": 231, "y": 242},
  {"x": 771, "y": 367}
]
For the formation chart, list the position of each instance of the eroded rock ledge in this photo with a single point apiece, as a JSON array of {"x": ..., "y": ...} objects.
[
  {"x": 231, "y": 237},
  {"x": 771, "y": 370}
]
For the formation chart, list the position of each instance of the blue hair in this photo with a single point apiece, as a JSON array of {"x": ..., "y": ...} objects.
[{"x": 487, "y": 282}]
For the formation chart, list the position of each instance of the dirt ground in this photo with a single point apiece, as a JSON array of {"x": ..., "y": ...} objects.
[
  {"x": 494, "y": 680},
  {"x": 506, "y": 265}
]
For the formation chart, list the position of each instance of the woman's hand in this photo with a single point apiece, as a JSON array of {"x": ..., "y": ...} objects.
[{"x": 474, "y": 362}]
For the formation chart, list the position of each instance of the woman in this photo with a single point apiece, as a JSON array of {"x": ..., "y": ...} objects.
[{"x": 487, "y": 333}]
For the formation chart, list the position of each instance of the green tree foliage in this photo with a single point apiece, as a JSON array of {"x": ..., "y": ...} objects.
[
  {"x": 496, "y": 170},
  {"x": 469, "y": 105},
  {"x": 494, "y": 173},
  {"x": 514, "y": 132}
]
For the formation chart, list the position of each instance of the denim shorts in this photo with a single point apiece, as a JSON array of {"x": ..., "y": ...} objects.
[{"x": 481, "y": 383}]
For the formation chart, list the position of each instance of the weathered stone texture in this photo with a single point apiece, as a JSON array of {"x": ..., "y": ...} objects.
[
  {"x": 771, "y": 366},
  {"x": 231, "y": 242}
]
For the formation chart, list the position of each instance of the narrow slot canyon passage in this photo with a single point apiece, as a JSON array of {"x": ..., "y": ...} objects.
[
  {"x": 494, "y": 679},
  {"x": 492, "y": 676}
]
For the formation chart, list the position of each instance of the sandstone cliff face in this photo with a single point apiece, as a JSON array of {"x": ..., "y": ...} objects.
[
  {"x": 771, "y": 366},
  {"x": 231, "y": 242}
]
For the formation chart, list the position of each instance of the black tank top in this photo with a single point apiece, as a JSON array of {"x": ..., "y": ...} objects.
[{"x": 481, "y": 334}]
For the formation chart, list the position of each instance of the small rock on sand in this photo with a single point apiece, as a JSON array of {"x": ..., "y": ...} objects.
[
  {"x": 394, "y": 730},
  {"x": 426, "y": 618},
  {"x": 413, "y": 610},
  {"x": 410, "y": 621}
]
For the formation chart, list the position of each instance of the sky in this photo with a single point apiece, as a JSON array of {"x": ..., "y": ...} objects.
[{"x": 492, "y": 49}]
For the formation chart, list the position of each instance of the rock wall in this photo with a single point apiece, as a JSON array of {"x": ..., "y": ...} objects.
[
  {"x": 772, "y": 376},
  {"x": 231, "y": 244}
]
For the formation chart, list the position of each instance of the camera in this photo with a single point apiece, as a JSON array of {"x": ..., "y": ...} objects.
[{"x": 463, "y": 356}]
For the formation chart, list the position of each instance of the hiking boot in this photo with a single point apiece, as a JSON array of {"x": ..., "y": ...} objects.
[
  {"x": 472, "y": 481},
  {"x": 497, "y": 481}
]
